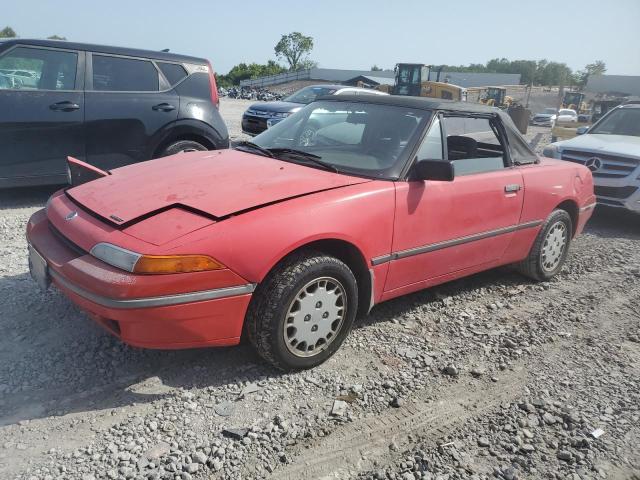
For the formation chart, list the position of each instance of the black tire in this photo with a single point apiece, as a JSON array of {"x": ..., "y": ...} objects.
[
  {"x": 269, "y": 307},
  {"x": 535, "y": 266},
  {"x": 181, "y": 146}
]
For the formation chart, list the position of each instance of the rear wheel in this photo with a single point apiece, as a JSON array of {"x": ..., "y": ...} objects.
[
  {"x": 550, "y": 249},
  {"x": 300, "y": 315},
  {"x": 182, "y": 146}
]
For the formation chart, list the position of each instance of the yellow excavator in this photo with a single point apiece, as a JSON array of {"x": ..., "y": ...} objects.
[
  {"x": 495, "y": 97},
  {"x": 414, "y": 79}
]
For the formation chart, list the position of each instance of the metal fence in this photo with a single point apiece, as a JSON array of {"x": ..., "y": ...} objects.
[{"x": 276, "y": 79}]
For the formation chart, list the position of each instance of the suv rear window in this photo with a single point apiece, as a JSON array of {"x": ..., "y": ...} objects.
[
  {"x": 172, "y": 72},
  {"x": 115, "y": 74}
]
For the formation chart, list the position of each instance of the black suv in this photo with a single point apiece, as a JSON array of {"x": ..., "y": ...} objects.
[{"x": 108, "y": 106}]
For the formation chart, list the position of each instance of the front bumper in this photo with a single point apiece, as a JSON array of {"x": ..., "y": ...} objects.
[{"x": 163, "y": 317}]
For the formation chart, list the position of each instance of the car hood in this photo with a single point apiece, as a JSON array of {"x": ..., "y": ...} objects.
[
  {"x": 626, "y": 145},
  {"x": 275, "y": 107},
  {"x": 544, "y": 115},
  {"x": 217, "y": 184}
]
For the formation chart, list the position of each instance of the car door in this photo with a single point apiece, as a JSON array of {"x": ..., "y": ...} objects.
[
  {"x": 446, "y": 227},
  {"x": 128, "y": 101},
  {"x": 41, "y": 121}
]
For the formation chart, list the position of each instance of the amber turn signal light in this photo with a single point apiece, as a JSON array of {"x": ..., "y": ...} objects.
[{"x": 176, "y": 264}]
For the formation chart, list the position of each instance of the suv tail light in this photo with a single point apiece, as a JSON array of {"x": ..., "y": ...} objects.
[{"x": 214, "y": 87}]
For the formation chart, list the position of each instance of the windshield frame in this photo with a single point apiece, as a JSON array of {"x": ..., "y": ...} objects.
[
  {"x": 325, "y": 91},
  {"x": 393, "y": 173},
  {"x": 605, "y": 117}
]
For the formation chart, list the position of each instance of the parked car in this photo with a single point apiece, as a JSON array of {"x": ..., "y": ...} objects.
[
  {"x": 566, "y": 115},
  {"x": 289, "y": 237},
  {"x": 611, "y": 150},
  {"x": 262, "y": 115},
  {"x": 109, "y": 106},
  {"x": 546, "y": 119}
]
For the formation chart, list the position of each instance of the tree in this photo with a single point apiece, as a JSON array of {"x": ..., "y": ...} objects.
[
  {"x": 376, "y": 68},
  {"x": 56, "y": 37},
  {"x": 243, "y": 71},
  {"x": 581, "y": 77},
  {"x": 294, "y": 47},
  {"x": 8, "y": 32}
]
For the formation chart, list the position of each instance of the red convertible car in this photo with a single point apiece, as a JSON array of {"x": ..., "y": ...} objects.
[{"x": 350, "y": 202}]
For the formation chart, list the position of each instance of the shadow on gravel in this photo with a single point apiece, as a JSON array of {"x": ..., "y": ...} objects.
[
  {"x": 610, "y": 222},
  {"x": 26, "y": 197}
]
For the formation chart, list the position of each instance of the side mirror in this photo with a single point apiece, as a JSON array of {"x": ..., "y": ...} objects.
[
  {"x": 582, "y": 130},
  {"x": 440, "y": 170}
]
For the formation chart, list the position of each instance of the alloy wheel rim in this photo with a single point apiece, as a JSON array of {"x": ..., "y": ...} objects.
[
  {"x": 554, "y": 246},
  {"x": 315, "y": 317}
]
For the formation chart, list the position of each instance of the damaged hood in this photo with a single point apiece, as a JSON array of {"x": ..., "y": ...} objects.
[{"x": 216, "y": 183}]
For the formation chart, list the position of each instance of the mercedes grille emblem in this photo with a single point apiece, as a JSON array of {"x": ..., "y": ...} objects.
[
  {"x": 71, "y": 216},
  {"x": 593, "y": 164}
]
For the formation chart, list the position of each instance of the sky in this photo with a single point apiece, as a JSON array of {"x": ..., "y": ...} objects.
[{"x": 351, "y": 34}]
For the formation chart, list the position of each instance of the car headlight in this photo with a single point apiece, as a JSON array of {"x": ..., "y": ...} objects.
[
  {"x": 159, "y": 264},
  {"x": 551, "y": 151}
]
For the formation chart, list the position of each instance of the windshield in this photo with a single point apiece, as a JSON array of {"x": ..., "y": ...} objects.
[
  {"x": 567, "y": 112},
  {"x": 309, "y": 94},
  {"x": 353, "y": 137},
  {"x": 623, "y": 121}
]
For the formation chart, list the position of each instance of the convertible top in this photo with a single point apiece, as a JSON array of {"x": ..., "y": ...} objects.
[{"x": 520, "y": 150}]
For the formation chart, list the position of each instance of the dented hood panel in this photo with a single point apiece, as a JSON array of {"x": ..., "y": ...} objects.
[{"x": 218, "y": 183}]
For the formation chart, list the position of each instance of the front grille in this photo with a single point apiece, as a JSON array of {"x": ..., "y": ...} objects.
[
  {"x": 253, "y": 124},
  {"x": 68, "y": 243},
  {"x": 613, "y": 166},
  {"x": 615, "y": 192}
]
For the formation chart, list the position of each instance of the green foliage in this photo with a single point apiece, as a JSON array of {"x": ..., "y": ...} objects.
[
  {"x": 56, "y": 37},
  {"x": 376, "y": 68},
  {"x": 293, "y": 48},
  {"x": 541, "y": 72},
  {"x": 243, "y": 71},
  {"x": 596, "y": 68},
  {"x": 8, "y": 32}
]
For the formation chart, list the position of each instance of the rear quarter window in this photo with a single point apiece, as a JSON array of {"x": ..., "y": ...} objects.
[{"x": 173, "y": 72}]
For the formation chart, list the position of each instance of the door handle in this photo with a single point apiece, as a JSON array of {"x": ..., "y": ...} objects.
[
  {"x": 512, "y": 188},
  {"x": 164, "y": 107},
  {"x": 64, "y": 106}
]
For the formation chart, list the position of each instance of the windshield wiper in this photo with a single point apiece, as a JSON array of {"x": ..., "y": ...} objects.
[
  {"x": 304, "y": 155},
  {"x": 264, "y": 151}
]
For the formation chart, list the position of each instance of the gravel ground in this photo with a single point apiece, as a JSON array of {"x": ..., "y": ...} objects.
[{"x": 492, "y": 376}]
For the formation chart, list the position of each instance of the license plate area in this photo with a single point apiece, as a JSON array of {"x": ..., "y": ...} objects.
[{"x": 39, "y": 269}]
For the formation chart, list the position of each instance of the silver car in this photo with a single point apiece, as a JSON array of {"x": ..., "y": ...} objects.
[{"x": 611, "y": 150}]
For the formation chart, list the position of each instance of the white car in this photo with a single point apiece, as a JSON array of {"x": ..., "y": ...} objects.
[
  {"x": 611, "y": 150},
  {"x": 567, "y": 115}
]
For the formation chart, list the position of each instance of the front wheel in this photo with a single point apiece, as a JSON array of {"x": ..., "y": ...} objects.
[
  {"x": 302, "y": 312},
  {"x": 550, "y": 249}
]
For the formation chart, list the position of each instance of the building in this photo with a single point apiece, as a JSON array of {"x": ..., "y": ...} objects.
[{"x": 621, "y": 85}]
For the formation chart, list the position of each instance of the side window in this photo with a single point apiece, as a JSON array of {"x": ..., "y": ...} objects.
[
  {"x": 431, "y": 147},
  {"x": 26, "y": 68},
  {"x": 174, "y": 73},
  {"x": 115, "y": 74},
  {"x": 446, "y": 95},
  {"x": 473, "y": 146}
]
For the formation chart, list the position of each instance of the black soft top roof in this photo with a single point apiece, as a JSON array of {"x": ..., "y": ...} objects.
[
  {"x": 133, "y": 52},
  {"x": 415, "y": 102},
  {"x": 520, "y": 150}
]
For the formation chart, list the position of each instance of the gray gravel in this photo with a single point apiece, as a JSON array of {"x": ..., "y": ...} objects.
[{"x": 487, "y": 377}]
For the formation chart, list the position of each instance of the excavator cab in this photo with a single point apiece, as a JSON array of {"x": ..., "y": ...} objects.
[
  {"x": 409, "y": 78},
  {"x": 574, "y": 101},
  {"x": 496, "y": 96}
]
